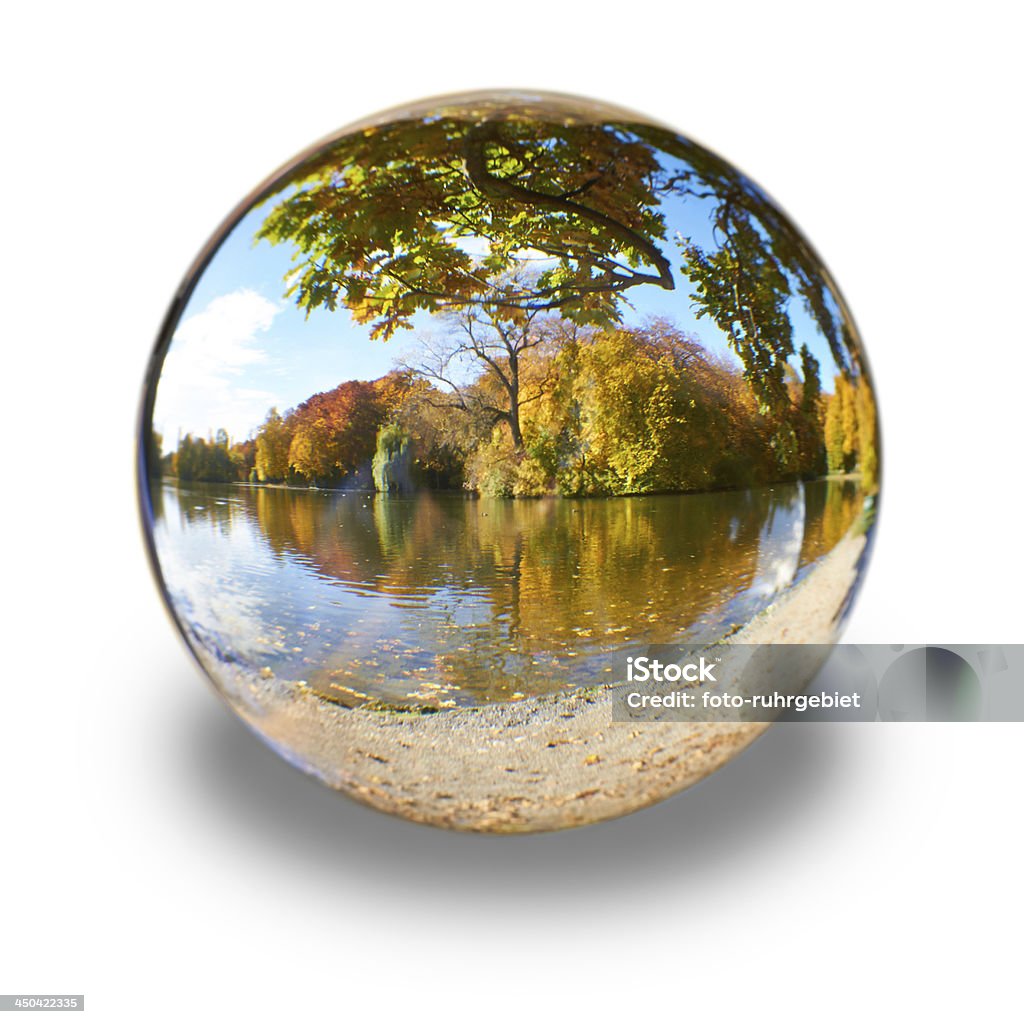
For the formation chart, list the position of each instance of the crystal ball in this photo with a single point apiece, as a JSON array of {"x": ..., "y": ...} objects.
[{"x": 470, "y": 403}]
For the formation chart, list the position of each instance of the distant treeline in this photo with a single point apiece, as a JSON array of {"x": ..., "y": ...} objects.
[{"x": 554, "y": 409}]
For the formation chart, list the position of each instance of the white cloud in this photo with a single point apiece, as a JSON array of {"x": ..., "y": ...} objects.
[{"x": 208, "y": 375}]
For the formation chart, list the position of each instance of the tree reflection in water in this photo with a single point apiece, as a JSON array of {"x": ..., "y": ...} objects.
[{"x": 438, "y": 598}]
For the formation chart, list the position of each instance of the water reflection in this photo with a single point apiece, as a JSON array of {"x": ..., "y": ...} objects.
[{"x": 438, "y": 599}]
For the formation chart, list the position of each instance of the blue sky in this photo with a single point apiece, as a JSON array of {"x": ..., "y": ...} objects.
[{"x": 241, "y": 347}]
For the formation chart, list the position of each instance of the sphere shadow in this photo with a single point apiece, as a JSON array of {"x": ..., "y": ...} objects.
[{"x": 770, "y": 793}]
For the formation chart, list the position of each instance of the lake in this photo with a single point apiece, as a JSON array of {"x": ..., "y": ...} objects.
[{"x": 441, "y": 599}]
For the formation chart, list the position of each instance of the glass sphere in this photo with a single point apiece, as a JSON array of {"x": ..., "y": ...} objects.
[{"x": 470, "y": 402}]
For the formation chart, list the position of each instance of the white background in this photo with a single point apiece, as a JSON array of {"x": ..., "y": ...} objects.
[{"x": 160, "y": 860}]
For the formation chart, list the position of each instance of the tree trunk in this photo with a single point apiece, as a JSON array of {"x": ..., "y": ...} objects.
[
  {"x": 514, "y": 427},
  {"x": 513, "y": 400}
]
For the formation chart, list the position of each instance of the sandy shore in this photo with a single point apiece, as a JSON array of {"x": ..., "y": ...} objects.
[{"x": 533, "y": 765}]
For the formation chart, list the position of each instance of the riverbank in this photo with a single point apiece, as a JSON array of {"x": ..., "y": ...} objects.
[
  {"x": 365, "y": 488},
  {"x": 532, "y": 765}
]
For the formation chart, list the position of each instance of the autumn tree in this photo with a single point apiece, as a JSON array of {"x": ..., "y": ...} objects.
[
  {"x": 841, "y": 427},
  {"x": 442, "y": 434},
  {"x": 519, "y": 223},
  {"x": 273, "y": 440},
  {"x": 482, "y": 364},
  {"x": 735, "y": 204},
  {"x": 334, "y": 432},
  {"x": 652, "y": 412},
  {"x": 314, "y": 450},
  {"x": 428, "y": 213},
  {"x": 625, "y": 412},
  {"x": 328, "y": 436},
  {"x": 810, "y": 438},
  {"x": 851, "y": 431},
  {"x": 867, "y": 436},
  {"x": 744, "y": 291},
  {"x": 388, "y": 220}
]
